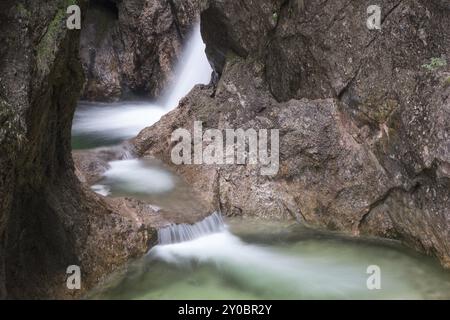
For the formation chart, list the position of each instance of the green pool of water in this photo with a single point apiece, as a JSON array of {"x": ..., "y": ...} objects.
[{"x": 253, "y": 260}]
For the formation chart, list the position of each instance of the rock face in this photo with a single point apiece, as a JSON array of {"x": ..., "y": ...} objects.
[
  {"x": 48, "y": 221},
  {"x": 130, "y": 48},
  {"x": 364, "y": 115}
]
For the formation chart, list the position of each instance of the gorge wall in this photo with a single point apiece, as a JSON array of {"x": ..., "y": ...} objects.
[
  {"x": 364, "y": 116},
  {"x": 131, "y": 48},
  {"x": 48, "y": 220}
]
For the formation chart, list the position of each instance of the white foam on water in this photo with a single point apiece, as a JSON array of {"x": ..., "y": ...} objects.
[
  {"x": 136, "y": 176},
  {"x": 267, "y": 271},
  {"x": 101, "y": 189},
  {"x": 193, "y": 69},
  {"x": 118, "y": 120},
  {"x": 124, "y": 120},
  {"x": 185, "y": 232}
]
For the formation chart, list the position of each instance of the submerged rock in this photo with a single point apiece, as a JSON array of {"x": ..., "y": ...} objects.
[{"x": 364, "y": 123}]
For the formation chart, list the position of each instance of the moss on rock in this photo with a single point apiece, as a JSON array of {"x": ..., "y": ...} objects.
[{"x": 48, "y": 46}]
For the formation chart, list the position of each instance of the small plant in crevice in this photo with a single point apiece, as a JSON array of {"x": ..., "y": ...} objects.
[
  {"x": 435, "y": 63},
  {"x": 275, "y": 17}
]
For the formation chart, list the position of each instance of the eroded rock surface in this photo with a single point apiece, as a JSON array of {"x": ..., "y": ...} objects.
[
  {"x": 130, "y": 48},
  {"x": 48, "y": 220},
  {"x": 363, "y": 115}
]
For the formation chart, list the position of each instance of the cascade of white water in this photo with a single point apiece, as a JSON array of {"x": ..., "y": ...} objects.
[
  {"x": 193, "y": 69},
  {"x": 124, "y": 120},
  {"x": 177, "y": 233}
]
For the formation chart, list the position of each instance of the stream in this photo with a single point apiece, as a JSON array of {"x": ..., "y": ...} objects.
[
  {"x": 235, "y": 258},
  {"x": 268, "y": 260}
]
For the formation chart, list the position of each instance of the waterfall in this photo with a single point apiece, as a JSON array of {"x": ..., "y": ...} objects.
[
  {"x": 177, "y": 233},
  {"x": 193, "y": 69},
  {"x": 110, "y": 123},
  {"x": 124, "y": 120}
]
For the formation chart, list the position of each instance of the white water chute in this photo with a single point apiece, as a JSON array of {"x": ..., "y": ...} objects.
[
  {"x": 124, "y": 120},
  {"x": 177, "y": 233},
  {"x": 193, "y": 69}
]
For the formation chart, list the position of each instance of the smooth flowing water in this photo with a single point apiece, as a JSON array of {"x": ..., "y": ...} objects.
[
  {"x": 99, "y": 124},
  {"x": 149, "y": 181},
  {"x": 102, "y": 124},
  {"x": 255, "y": 260},
  {"x": 134, "y": 176},
  {"x": 238, "y": 258}
]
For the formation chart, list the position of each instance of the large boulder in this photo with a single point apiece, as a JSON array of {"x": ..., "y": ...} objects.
[{"x": 363, "y": 115}]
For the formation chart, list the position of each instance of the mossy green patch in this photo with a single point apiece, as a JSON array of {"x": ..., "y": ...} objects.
[
  {"x": 379, "y": 108},
  {"x": 275, "y": 17},
  {"x": 435, "y": 63},
  {"x": 22, "y": 10},
  {"x": 47, "y": 47}
]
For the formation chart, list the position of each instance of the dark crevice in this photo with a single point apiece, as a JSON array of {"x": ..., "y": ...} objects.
[
  {"x": 106, "y": 5},
  {"x": 420, "y": 179},
  {"x": 377, "y": 203},
  {"x": 173, "y": 9},
  {"x": 383, "y": 19}
]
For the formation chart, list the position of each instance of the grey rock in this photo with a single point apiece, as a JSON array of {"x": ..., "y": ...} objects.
[
  {"x": 130, "y": 48},
  {"x": 364, "y": 125}
]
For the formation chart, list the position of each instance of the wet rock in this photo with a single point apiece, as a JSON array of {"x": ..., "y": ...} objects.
[
  {"x": 179, "y": 205},
  {"x": 150, "y": 216},
  {"x": 90, "y": 165}
]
